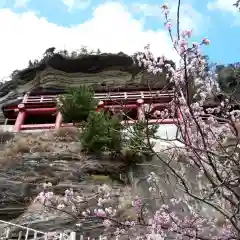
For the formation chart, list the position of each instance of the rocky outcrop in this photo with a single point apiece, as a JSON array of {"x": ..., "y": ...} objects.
[
  {"x": 64, "y": 165},
  {"x": 22, "y": 172},
  {"x": 103, "y": 72},
  {"x": 19, "y": 183}
]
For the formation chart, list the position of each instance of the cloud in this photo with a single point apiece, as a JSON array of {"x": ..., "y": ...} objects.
[
  {"x": 223, "y": 5},
  {"x": 226, "y": 7},
  {"x": 148, "y": 10},
  {"x": 112, "y": 28},
  {"x": 189, "y": 17},
  {"x": 21, "y": 3},
  {"x": 73, "y": 4}
]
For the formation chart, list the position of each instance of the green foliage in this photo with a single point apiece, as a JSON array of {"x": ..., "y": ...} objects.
[
  {"x": 76, "y": 105},
  {"x": 237, "y": 4},
  {"x": 14, "y": 74},
  {"x": 101, "y": 133},
  {"x": 228, "y": 77},
  {"x": 49, "y": 52},
  {"x": 137, "y": 142}
]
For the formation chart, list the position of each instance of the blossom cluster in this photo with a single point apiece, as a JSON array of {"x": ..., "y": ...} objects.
[
  {"x": 204, "y": 132},
  {"x": 165, "y": 222}
]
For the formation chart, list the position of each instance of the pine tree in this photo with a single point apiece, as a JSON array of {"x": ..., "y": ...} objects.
[
  {"x": 76, "y": 105},
  {"x": 101, "y": 133}
]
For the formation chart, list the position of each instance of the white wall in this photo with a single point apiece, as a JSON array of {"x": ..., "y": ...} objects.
[
  {"x": 167, "y": 133},
  {"x": 6, "y": 128}
]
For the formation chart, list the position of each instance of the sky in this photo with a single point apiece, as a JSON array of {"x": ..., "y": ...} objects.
[{"x": 29, "y": 27}]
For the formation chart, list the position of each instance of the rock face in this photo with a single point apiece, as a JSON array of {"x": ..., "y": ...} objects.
[
  {"x": 23, "y": 174},
  {"x": 103, "y": 72},
  {"x": 21, "y": 182},
  {"x": 169, "y": 186},
  {"x": 65, "y": 166}
]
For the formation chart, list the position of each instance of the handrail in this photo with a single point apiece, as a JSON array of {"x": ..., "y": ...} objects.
[
  {"x": 70, "y": 236},
  {"x": 103, "y": 96},
  {"x": 22, "y": 227}
]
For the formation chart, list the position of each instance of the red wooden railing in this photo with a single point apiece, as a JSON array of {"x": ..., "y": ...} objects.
[
  {"x": 46, "y": 104},
  {"x": 112, "y": 96}
]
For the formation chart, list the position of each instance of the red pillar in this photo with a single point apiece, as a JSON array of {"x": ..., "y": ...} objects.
[
  {"x": 58, "y": 121},
  {"x": 20, "y": 118},
  {"x": 100, "y": 106},
  {"x": 141, "y": 115}
]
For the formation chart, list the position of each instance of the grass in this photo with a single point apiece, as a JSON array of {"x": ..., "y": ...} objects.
[
  {"x": 66, "y": 134},
  {"x": 25, "y": 144}
]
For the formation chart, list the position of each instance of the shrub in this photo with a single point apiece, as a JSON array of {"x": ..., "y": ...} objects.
[
  {"x": 136, "y": 140},
  {"x": 76, "y": 105},
  {"x": 66, "y": 134},
  {"x": 101, "y": 133}
]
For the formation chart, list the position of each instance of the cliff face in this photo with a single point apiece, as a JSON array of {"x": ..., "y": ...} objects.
[
  {"x": 29, "y": 160},
  {"x": 55, "y": 72}
]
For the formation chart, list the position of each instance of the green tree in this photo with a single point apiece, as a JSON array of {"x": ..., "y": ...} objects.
[
  {"x": 101, "y": 133},
  {"x": 228, "y": 77},
  {"x": 77, "y": 103}
]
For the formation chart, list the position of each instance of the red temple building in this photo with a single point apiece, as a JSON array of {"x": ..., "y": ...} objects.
[
  {"x": 35, "y": 108},
  {"x": 39, "y": 112}
]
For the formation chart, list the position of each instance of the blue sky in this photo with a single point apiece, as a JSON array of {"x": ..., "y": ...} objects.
[{"x": 28, "y": 27}]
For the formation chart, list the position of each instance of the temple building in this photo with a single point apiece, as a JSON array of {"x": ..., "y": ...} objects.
[{"x": 28, "y": 101}]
